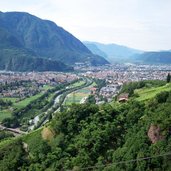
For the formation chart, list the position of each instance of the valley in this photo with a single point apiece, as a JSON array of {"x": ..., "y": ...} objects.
[
  {"x": 67, "y": 104},
  {"x": 32, "y": 100},
  {"x": 52, "y": 93},
  {"x": 91, "y": 127}
]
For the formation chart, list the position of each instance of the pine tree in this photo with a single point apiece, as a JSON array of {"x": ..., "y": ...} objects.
[{"x": 168, "y": 78}]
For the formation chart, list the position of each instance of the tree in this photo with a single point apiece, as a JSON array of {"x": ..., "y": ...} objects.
[
  {"x": 10, "y": 122},
  {"x": 91, "y": 99},
  {"x": 168, "y": 78}
]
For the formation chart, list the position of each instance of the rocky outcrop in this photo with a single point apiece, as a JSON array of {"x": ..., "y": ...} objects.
[{"x": 154, "y": 134}]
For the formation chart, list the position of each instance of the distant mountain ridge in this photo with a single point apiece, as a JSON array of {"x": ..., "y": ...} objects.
[
  {"x": 162, "y": 57},
  {"x": 113, "y": 52},
  {"x": 37, "y": 38},
  {"x": 118, "y": 53},
  {"x": 93, "y": 48}
]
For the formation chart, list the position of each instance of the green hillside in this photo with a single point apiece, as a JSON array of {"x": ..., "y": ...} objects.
[
  {"x": 148, "y": 93},
  {"x": 130, "y": 136}
]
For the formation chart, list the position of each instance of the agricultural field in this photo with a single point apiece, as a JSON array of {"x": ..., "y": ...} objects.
[
  {"x": 147, "y": 93},
  {"x": 77, "y": 96},
  {"x": 26, "y": 101},
  {"x": 74, "y": 97},
  {"x": 21, "y": 104},
  {"x": 10, "y": 99},
  {"x": 6, "y": 113},
  {"x": 76, "y": 84}
]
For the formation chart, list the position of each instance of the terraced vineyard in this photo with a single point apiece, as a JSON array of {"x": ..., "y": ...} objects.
[{"x": 147, "y": 93}]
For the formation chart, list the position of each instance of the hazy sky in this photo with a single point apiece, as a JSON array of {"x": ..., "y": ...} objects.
[{"x": 142, "y": 24}]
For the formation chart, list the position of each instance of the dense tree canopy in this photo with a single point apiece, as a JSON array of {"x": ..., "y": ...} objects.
[{"x": 100, "y": 136}]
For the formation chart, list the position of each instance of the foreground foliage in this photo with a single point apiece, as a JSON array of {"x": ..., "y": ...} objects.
[{"x": 99, "y": 136}]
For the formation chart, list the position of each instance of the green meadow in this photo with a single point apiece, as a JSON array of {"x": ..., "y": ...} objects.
[
  {"x": 77, "y": 96},
  {"x": 147, "y": 93},
  {"x": 76, "y": 84},
  {"x": 6, "y": 113}
]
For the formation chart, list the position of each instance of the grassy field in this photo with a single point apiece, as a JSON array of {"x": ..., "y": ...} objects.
[
  {"x": 26, "y": 101},
  {"x": 147, "y": 93},
  {"x": 78, "y": 83},
  {"x": 5, "y": 114},
  {"x": 32, "y": 137},
  {"x": 77, "y": 96},
  {"x": 21, "y": 104}
]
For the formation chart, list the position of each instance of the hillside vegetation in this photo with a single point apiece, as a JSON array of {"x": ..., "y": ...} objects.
[
  {"x": 135, "y": 135},
  {"x": 148, "y": 93}
]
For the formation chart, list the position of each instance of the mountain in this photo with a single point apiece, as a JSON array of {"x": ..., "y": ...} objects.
[
  {"x": 93, "y": 48},
  {"x": 114, "y": 52},
  {"x": 20, "y": 60},
  {"x": 14, "y": 57},
  {"x": 42, "y": 39},
  {"x": 163, "y": 57},
  {"x": 118, "y": 53}
]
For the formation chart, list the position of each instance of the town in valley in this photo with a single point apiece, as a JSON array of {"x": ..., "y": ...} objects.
[{"x": 48, "y": 92}]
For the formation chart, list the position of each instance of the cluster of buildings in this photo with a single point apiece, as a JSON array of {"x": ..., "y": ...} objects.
[
  {"x": 116, "y": 75},
  {"x": 129, "y": 73},
  {"x": 40, "y": 77},
  {"x": 22, "y": 85},
  {"x": 110, "y": 91},
  {"x": 20, "y": 91}
]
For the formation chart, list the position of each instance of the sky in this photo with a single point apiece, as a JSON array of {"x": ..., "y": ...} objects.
[{"x": 140, "y": 24}]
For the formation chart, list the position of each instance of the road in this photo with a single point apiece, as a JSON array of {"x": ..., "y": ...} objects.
[{"x": 14, "y": 131}]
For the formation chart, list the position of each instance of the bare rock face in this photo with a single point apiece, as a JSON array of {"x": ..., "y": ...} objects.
[{"x": 154, "y": 134}]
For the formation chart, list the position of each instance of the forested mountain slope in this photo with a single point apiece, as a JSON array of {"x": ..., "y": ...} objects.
[{"x": 43, "y": 38}]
